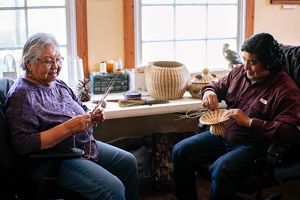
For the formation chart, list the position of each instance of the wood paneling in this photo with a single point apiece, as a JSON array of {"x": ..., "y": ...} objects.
[
  {"x": 285, "y": 1},
  {"x": 128, "y": 6},
  {"x": 250, "y": 9},
  {"x": 82, "y": 39}
]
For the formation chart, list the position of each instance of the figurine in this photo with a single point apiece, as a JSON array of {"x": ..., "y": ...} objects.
[{"x": 231, "y": 56}]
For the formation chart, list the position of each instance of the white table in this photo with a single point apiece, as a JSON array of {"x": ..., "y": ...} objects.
[
  {"x": 113, "y": 111},
  {"x": 146, "y": 119}
]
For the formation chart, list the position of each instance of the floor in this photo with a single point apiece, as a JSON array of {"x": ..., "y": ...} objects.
[{"x": 290, "y": 191}]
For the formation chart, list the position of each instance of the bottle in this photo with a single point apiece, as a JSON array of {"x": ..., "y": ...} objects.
[
  {"x": 103, "y": 67},
  {"x": 119, "y": 66},
  {"x": 110, "y": 66}
]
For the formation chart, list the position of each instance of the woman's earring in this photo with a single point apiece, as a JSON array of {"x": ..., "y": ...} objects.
[
  {"x": 29, "y": 73},
  {"x": 28, "y": 65}
]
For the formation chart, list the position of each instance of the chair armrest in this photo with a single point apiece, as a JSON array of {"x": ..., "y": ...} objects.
[
  {"x": 285, "y": 161},
  {"x": 287, "y": 172},
  {"x": 279, "y": 154},
  {"x": 57, "y": 154},
  {"x": 54, "y": 158}
]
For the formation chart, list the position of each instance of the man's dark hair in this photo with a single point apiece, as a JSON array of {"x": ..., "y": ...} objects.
[{"x": 266, "y": 49}]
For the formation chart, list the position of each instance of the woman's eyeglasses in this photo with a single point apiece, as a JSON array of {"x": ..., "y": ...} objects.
[{"x": 50, "y": 62}]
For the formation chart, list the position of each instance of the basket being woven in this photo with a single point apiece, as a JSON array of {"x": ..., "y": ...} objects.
[
  {"x": 215, "y": 120},
  {"x": 166, "y": 79}
]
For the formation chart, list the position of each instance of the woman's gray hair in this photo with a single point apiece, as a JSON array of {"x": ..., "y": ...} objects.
[{"x": 34, "y": 45}]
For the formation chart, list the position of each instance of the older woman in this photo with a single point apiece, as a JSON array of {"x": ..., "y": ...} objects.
[
  {"x": 263, "y": 107},
  {"x": 43, "y": 112}
]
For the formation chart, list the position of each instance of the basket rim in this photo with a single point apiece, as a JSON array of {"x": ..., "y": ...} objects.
[
  {"x": 205, "y": 122},
  {"x": 166, "y": 63}
]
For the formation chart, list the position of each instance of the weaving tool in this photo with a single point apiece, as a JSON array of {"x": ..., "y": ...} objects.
[
  {"x": 102, "y": 100},
  {"x": 107, "y": 90}
]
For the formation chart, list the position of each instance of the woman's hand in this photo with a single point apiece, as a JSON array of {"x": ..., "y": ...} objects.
[
  {"x": 97, "y": 115},
  {"x": 78, "y": 123},
  {"x": 53, "y": 136},
  {"x": 239, "y": 116},
  {"x": 210, "y": 100}
]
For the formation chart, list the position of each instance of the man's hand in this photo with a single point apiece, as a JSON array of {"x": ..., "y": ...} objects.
[
  {"x": 239, "y": 116},
  {"x": 210, "y": 100}
]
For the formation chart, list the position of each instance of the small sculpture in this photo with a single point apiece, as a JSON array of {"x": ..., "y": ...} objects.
[
  {"x": 231, "y": 56},
  {"x": 84, "y": 90}
]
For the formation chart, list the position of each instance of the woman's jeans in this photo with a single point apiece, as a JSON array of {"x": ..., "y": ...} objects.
[
  {"x": 113, "y": 177},
  {"x": 230, "y": 163}
]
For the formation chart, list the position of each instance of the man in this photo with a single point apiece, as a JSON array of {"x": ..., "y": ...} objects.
[{"x": 263, "y": 107}]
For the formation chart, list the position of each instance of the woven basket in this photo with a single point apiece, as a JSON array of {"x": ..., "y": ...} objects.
[
  {"x": 166, "y": 79},
  {"x": 196, "y": 85},
  {"x": 215, "y": 120}
]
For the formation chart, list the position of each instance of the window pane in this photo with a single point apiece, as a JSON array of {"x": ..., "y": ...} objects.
[
  {"x": 196, "y": 18},
  {"x": 45, "y": 2},
  {"x": 222, "y": 21},
  {"x": 197, "y": 30},
  {"x": 21, "y": 23},
  {"x": 157, "y": 51},
  {"x": 12, "y": 29},
  {"x": 157, "y": 1},
  {"x": 50, "y": 20},
  {"x": 151, "y": 30},
  {"x": 17, "y": 57},
  {"x": 215, "y": 58},
  {"x": 190, "y": 1},
  {"x": 191, "y": 54},
  {"x": 64, "y": 70},
  {"x": 10, "y": 3},
  {"x": 223, "y": 1}
]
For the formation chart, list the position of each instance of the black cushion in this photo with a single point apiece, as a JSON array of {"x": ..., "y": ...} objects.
[
  {"x": 8, "y": 157},
  {"x": 290, "y": 171},
  {"x": 9, "y": 170},
  {"x": 292, "y": 66},
  {"x": 5, "y": 84}
]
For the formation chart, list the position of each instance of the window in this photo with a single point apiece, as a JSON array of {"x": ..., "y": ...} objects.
[
  {"x": 26, "y": 17},
  {"x": 189, "y": 31}
]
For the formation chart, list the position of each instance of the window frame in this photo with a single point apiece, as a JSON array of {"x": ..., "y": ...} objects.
[{"x": 129, "y": 33}]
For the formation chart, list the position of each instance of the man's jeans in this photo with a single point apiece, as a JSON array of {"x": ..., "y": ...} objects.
[{"x": 230, "y": 165}]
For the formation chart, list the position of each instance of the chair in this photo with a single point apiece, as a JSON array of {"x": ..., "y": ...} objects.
[
  {"x": 282, "y": 162},
  {"x": 13, "y": 185}
]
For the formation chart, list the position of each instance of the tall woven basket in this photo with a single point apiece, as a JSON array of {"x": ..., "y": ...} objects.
[{"x": 166, "y": 79}]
